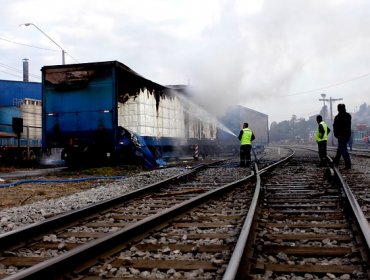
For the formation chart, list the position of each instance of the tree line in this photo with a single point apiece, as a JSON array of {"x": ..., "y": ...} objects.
[{"x": 302, "y": 131}]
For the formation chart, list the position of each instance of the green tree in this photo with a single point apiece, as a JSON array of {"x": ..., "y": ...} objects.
[{"x": 293, "y": 131}]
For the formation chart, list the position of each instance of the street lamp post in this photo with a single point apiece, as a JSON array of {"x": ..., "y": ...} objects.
[{"x": 63, "y": 51}]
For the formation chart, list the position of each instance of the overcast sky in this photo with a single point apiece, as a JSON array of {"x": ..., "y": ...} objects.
[{"x": 275, "y": 56}]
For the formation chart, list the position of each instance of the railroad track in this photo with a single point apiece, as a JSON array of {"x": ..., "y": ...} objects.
[
  {"x": 234, "y": 229},
  {"x": 306, "y": 227},
  {"x": 37, "y": 245},
  {"x": 358, "y": 178},
  {"x": 355, "y": 152}
]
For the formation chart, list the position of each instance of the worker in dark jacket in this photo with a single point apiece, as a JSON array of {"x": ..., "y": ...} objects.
[
  {"x": 322, "y": 139},
  {"x": 246, "y": 137},
  {"x": 342, "y": 131}
]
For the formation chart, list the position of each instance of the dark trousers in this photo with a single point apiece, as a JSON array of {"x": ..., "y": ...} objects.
[
  {"x": 245, "y": 155},
  {"x": 342, "y": 151},
  {"x": 322, "y": 151}
]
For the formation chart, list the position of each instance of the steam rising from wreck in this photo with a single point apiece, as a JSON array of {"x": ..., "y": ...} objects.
[
  {"x": 201, "y": 113},
  {"x": 240, "y": 63}
]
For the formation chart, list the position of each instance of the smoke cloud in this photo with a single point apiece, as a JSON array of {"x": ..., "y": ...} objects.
[
  {"x": 233, "y": 64},
  {"x": 254, "y": 53}
]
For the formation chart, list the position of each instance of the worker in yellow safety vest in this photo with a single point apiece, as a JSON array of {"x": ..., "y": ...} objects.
[
  {"x": 322, "y": 133},
  {"x": 246, "y": 137}
]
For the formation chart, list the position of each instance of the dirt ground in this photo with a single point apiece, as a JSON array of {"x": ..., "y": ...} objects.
[{"x": 25, "y": 193}]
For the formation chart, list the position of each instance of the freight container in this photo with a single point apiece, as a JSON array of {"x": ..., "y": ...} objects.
[
  {"x": 234, "y": 118},
  {"x": 93, "y": 110},
  {"x": 98, "y": 111}
]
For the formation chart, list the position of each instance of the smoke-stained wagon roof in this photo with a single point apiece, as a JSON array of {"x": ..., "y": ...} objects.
[{"x": 75, "y": 76}]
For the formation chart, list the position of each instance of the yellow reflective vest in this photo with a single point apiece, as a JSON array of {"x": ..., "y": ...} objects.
[
  {"x": 246, "y": 137},
  {"x": 324, "y": 137}
]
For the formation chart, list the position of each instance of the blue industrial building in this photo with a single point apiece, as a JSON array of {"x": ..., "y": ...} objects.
[{"x": 11, "y": 92}]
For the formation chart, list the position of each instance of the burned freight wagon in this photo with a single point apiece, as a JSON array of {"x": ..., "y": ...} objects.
[
  {"x": 104, "y": 111},
  {"x": 233, "y": 119}
]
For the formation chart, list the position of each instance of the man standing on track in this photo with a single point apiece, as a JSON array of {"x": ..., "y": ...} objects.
[
  {"x": 246, "y": 137},
  {"x": 322, "y": 139},
  {"x": 342, "y": 131}
]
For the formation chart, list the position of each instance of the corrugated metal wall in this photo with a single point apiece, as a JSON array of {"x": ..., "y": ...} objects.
[{"x": 11, "y": 90}]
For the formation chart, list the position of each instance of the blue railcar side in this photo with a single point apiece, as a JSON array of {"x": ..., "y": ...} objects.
[
  {"x": 80, "y": 104},
  {"x": 80, "y": 110}
]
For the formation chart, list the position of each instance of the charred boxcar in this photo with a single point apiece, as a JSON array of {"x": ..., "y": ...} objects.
[
  {"x": 95, "y": 110},
  {"x": 233, "y": 119}
]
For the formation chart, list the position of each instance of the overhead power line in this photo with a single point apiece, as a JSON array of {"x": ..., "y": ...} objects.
[
  {"x": 72, "y": 57},
  {"x": 22, "y": 44},
  {"x": 15, "y": 75},
  {"x": 329, "y": 86},
  {"x": 17, "y": 70},
  {"x": 9, "y": 67},
  {"x": 35, "y": 47}
]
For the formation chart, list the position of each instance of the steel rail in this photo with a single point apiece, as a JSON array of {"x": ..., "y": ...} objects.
[
  {"x": 355, "y": 207},
  {"x": 233, "y": 269},
  {"x": 93, "y": 249},
  {"x": 263, "y": 170},
  {"x": 235, "y": 260},
  {"x": 356, "y": 152},
  {"x": 10, "y": 238}
]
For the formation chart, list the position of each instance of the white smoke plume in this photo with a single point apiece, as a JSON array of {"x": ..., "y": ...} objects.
[{"x": 234, "y": 65}]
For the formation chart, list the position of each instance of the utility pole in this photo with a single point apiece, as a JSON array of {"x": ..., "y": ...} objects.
[
  {"x": 331, "y": 107},
  {"x": 330, "y": 100},
  {"x": 323, "y": 95}
]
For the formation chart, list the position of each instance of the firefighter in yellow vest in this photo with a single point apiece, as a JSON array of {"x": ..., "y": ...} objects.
[
  {"x": 246, "y": 137},
  {"x": 322, "y": 133}
]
